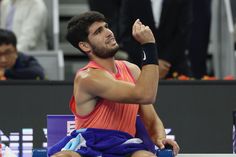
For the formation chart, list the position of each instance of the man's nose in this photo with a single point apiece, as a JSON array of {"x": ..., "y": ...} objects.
[
  {"x": 2, "y": 58},
  {"x": 109, "y": 32}
]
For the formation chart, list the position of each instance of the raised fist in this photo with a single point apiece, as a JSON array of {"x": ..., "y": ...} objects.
[{"x": 142, "y": 33}]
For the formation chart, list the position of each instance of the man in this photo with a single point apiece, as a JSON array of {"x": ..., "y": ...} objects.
[
  {"x": 107, "y": 94},
  {"x": 16, "y": 65},
  {"x": 28, "y": 20},
  {"x": 170, "y": 21}
]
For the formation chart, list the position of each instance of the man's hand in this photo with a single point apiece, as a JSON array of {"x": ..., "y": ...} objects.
[
  {"x": 142, "y": 33},
  {"x": 164, "y": 68},
  {"x": 2, "y": 71},
  {"x": 163, "y": 141}
]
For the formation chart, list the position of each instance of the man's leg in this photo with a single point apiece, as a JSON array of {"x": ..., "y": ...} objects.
[
  {"x": 66, "y": 153},
  {"x": 143, "y": 153}
]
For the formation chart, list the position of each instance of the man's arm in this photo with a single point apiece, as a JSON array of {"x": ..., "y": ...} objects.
[
  {"x": 153, "y": 124},
  {"x": 155, "y": 127},
  {"x": 102, "y": 84},
  {"x": 151, "y": 120},
  {"x": 2, "y": 71}
]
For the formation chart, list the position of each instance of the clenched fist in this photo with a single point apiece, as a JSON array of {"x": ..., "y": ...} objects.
[{"x": 142, "y": 33}]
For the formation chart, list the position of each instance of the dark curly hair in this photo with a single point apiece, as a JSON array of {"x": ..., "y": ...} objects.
[
  {"x": 77, "y": 28},
  {"x": 7, "y": 37}
]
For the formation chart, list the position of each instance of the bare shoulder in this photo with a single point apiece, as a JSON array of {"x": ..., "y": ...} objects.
[
  {"x": 135, "y": 70},
  {"x": 91, "y": 79},
  {"x": 87, "y": 84}
]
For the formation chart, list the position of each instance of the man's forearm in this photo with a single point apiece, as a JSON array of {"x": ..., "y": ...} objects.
[
  {"x": 149, "y": 77},
  {"x": 156, "y": 130},
  {"x": 146, "y": 85}
]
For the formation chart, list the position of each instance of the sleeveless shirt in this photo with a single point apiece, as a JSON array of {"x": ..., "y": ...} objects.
[{"x": 108, "y": 114}]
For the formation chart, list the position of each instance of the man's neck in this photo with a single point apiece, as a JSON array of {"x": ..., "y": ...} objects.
[{"x": 108, "y": 64}]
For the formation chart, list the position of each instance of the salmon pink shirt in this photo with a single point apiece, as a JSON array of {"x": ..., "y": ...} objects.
[{"x": 108, "y": 114}]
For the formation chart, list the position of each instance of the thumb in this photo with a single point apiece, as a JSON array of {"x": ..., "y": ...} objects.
[{"x": 160, "y": 144}]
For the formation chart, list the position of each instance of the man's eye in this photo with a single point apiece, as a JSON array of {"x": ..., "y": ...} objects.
[{"x": 98, "y": 31}]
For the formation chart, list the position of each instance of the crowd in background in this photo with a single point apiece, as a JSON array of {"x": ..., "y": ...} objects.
[
  {"x": 28, "y": 20},
  {"x": 23, "y": 25},
  {"x": 181, "y": 27}
]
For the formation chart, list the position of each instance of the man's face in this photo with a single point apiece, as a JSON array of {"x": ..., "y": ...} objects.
[
  {"x": 102, "y": 40},
  {"x": 8, "y": 55}
]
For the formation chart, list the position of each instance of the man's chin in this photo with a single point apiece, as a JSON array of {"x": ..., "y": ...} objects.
[
  {"x": 113, "y": 52},
  {"x": 108, "y": 54}
]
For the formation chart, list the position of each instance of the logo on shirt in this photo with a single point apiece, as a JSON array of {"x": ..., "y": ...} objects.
[{"x": 144, "y": 56}]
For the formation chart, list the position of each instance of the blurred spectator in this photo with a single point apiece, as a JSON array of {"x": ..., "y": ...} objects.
[
  {"x": 198, "y": 48},
  {"x": 233, "y": 8},
  {"x": 0, "y": 11},
  {"x": 235, "y": 36},
  {"x": 27, "y": 19},
  {"x": 170, "y": 21},
  {"x": 111, "y": 10},
  {"x": 16, "y": 65}
]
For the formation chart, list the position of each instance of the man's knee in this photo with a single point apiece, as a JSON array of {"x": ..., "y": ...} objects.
[
  {"x": 143, "y": 153},
  {"x": 66, "y": 154}
]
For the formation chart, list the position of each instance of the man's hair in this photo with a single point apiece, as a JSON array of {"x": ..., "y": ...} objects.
[
  {"x": 77, "y": 28},
  {"x": 7, "y": 37}
]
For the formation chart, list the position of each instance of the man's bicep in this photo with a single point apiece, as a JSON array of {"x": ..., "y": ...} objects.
[
  {"x": 119, "y": 91},
  {"x": 107, "y": 87}
]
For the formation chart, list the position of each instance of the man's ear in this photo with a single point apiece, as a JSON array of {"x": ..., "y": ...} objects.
[
  {"x": 15, "y": 48},
  {"x": 85, "y": 46}
]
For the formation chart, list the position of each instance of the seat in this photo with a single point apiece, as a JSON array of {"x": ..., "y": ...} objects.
[
  {"x": 52, "y": 62},
  {"x": 64, "y": 122}
]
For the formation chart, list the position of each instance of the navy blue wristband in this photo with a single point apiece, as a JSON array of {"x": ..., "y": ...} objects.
[{"x": 150, "y": 55}]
